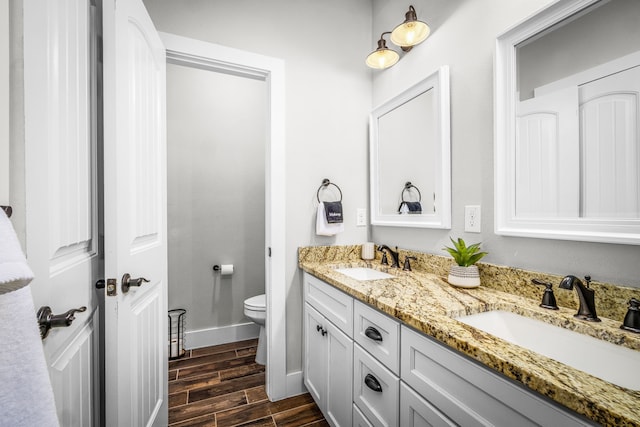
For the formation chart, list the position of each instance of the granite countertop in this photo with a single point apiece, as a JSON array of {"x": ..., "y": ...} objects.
[{"x": 427, "y": 303}]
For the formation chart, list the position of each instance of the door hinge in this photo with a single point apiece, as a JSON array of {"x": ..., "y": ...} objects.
[{"x": 269, "y": 251}]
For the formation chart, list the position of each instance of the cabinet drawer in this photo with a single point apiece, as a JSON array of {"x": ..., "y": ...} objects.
[
  {"x": 378, "y": 334},
  {"x": 375, "y": 389},
  {"x": 359, "y": 420},
  {"x": 335, "y": 305},
  {"x": 471, "y": 394},
  {"x": 415, "y": 411}
]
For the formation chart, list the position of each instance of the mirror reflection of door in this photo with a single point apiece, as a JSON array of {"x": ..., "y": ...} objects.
[{"x": 576, "y": 152}]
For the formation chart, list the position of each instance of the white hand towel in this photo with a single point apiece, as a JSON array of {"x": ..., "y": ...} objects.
[
  {"x": 14, "y": 271},
  {"x": 26, "y": 396},
  {"x": 323, "y": 228}
]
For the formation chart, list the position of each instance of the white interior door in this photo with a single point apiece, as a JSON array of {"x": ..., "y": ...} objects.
[
  {"x": 547, "y": 133},
  {"x": 61, "y": 196},
  {"x": 609, "y": 121},
  {"x": 135, "y": 216}
]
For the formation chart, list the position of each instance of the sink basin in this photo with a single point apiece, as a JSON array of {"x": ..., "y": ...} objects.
[
  {"x": 607, "y": 361},
  {"x": 364, "y": 273}
]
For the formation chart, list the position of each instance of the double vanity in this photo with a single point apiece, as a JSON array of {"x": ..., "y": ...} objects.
[{"x": 387, "y": 347}]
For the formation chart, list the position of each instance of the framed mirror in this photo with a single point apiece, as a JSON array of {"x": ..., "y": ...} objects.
[
  {"x": 567, "y": 116},
  {"x": 410, "y": 156}
]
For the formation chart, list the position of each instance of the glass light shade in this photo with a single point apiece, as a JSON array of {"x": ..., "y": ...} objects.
[
  {"x": 382, "y": 58},
  {"x": 410, "y": 33}
]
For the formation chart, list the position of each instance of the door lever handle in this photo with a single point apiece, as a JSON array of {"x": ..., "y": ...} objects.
[
  {"x": 127, "y": 282},
  {"x": 48, "y": 320}
]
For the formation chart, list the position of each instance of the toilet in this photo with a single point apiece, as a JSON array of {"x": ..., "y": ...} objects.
[{"x": 255, "y": 308}]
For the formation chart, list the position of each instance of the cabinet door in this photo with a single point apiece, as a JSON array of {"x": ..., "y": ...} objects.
[
  {"x": 315, "y": 356},
  {"x": 417, "y": 412},
  {"x": 339, "y": 376}
]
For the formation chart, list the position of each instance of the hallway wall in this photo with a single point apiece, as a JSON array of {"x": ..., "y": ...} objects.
[
  {"x": 328, "y": 98},
  {"x": 216, "y": 194}
]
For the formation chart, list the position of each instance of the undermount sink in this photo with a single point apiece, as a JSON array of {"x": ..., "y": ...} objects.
[
  {"x": 364, "y": 273},
  {"x": 607, "y": 361}
]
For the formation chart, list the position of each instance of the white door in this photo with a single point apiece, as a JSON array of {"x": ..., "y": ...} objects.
[
  {"x": 610, "y": 144},
  {"x": 547, "y": 133},
  {"x": 61, "y": 196},
  {"x": 135, "y": 217}
]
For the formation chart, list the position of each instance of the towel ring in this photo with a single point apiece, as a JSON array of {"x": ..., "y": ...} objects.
[
  {"x": 407, "y": 187},
  {"x": 325, "y": 184}
]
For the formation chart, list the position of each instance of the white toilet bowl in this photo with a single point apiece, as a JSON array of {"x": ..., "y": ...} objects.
[{"x": 255, "y": 308}]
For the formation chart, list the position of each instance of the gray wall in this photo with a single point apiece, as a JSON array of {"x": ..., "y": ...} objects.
[
  {"x": 216, "y": 193},
  {"x": 463, "y": 36},
  {"x": 579, "y": 45},
  {"x": 328, "y": 97}
]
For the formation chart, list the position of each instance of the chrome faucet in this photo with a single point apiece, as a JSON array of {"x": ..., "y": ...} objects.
[
  {"x": 587, "y": 309},
  {"x": 394, "y": 255}
]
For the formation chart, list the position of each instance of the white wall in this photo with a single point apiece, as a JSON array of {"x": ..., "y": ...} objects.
[
  {"x": 463, "y": 37},
  {"x": 328, "y": 98},
  {"x": 216, "y": 193}
]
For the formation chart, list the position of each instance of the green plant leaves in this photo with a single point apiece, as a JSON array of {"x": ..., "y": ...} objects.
[{"x": 465, "y": 255}]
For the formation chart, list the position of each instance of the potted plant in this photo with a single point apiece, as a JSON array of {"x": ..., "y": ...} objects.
[{"x": 465, "y": 273}]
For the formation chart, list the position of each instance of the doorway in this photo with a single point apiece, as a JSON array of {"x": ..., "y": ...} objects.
[{"x": 206, "y": 56}]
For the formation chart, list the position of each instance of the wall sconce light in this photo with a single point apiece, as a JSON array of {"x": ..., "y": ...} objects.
[
  {"x": 382, "y": 57},
  {"x": 406, "y": 35}
]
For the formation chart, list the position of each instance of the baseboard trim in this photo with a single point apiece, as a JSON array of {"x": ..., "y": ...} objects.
[
  {"x": 221, "y": 335},
  {"x": 295, "y": 384}
]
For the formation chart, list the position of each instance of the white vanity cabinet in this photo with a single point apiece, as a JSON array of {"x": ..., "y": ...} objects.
[
  {"x": 470, "y": 394},
  {"x": 328, "y": 350},
  {"x": 417, "y": 381}
]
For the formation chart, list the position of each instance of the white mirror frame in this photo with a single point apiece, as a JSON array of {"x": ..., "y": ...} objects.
[
  {"x": 506, "y": 223},
  {"x": 439, "y": 83}
]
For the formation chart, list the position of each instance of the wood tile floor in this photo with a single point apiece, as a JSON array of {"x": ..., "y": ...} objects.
[{"x": 223, "y": 386}]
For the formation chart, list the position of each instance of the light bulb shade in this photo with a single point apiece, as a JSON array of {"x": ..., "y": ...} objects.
[
  {"x": 382, "y": 58},
  {"x": 411, "y": 32}
]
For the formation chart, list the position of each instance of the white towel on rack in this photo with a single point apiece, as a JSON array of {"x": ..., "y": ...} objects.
[
  {"x": 26, "y": 396},
  {"x": 323, "y": 228}
]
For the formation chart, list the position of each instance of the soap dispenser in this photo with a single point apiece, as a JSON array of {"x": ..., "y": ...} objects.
[{"x": 632, "y": 319}]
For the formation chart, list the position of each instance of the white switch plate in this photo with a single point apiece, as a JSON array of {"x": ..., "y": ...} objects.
[
  {"x": 472, "y": 219},
  {"x": 361, "y": 217}
]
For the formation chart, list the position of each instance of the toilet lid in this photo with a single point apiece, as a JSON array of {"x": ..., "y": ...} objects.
[{"x": 259, "y": 302}]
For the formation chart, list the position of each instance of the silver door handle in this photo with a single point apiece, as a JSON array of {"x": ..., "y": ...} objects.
[
  {"x": 48, "y": 320},
  {"x": 127, "y": 282}
]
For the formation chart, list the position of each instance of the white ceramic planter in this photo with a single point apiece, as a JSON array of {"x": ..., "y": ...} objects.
[{"x": 464, "y": 277}]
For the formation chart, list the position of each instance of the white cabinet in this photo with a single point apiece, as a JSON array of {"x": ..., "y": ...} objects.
[
  {"x": 376, "y": 389},
  {"x": 470, "y": 394},
  {"x": 417, "y": 412},
  {"x": 395, "y": 376},
  {"x": 328, "y": 369}
]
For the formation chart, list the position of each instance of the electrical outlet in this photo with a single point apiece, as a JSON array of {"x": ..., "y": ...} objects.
[
  {"x": 472, "y": 219},
  {"x": 361, "y": 217}
]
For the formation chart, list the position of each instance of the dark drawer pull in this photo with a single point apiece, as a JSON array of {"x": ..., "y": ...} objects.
[
  {"x": 373, "y": 383},
  {"x": 373, "y": 333}
]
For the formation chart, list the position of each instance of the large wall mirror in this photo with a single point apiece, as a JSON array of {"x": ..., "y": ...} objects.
[
  {"x": 410, "y": 156},
  {"x": 567, "y": 150}
]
